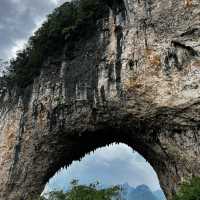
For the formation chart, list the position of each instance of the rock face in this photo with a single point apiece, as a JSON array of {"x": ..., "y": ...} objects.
[{"x": 135, "y": 79}]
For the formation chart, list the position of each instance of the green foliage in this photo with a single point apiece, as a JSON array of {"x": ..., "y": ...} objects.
[
  {"x": 83, "y": 192},
  {"x": 189, "y": 190},
  {"x": 50, "y": 39}
]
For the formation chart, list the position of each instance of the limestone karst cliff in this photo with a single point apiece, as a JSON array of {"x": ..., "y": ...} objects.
[{"x": 135, "y": 79}]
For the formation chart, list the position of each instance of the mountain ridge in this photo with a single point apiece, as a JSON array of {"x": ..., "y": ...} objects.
[{"x": 140, "y": 192}]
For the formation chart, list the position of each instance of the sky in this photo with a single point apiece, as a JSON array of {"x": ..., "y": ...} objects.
[
  {"x": 18, "y": 20},
  {"x": 111, "y": 165}
]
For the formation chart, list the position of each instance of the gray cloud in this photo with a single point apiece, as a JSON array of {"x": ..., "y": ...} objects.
[
  {"x": 111, "y": 165},
  {"x": 18, "y": 20}
]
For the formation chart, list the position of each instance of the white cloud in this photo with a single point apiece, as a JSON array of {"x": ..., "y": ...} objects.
[
  {"x": 20, "y": 44},
  {"x": 54, "y": 1},
  {"x": 58, "y": 2}
]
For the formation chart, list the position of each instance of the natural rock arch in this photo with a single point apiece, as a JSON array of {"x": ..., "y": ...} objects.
[
  {"x": 112, "y": 164},
  {"x": 135, "y": 80}
]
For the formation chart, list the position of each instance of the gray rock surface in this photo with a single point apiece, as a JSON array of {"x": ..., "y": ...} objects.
[{"x": 135, "y": 80}]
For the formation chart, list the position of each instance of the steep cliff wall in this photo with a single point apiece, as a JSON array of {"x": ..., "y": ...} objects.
[{"x": 134, "y": 79}]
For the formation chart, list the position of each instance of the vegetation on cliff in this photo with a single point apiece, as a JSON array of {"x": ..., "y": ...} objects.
[
  {"x": 189, "y": 190},
  {"x": 50, "y": 39}
]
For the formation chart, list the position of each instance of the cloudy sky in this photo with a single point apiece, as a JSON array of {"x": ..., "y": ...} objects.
[
  {"x": 111, "y": 165},
  {"x": 18, "y": 20}
]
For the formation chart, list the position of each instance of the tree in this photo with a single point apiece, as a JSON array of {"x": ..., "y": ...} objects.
[
  {"x": 83, "y": 192},
  {"x": 50, "y": 39},
  {"x": 189, "y": 190}
]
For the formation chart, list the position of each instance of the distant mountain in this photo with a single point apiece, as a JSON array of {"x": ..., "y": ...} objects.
[{"x": 142, "y": 192}]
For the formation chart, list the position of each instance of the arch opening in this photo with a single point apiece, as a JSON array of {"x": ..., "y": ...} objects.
[
  {"x": 113, "y": 164},
  {"x": 61, "y": 148}
]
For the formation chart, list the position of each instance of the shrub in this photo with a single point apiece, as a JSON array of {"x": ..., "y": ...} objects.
[
  {"x": 83, "y": 192},
  {"x": 189, "y": 190}
]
